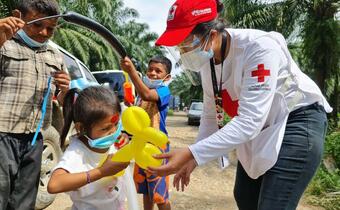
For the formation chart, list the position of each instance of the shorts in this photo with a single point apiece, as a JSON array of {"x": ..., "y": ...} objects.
[{"x": 156, "y": 187}]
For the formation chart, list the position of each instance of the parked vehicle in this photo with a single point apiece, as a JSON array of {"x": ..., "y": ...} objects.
[
  {"x": 115, "y": 79},
  {"x": 195, "y": 112},
  {"x": 52, "y": 152}
]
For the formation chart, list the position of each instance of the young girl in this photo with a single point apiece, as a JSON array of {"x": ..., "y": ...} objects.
[{"x": 95, "y": 112}]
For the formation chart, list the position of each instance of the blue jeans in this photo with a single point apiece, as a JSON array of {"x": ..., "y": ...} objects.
[{"x": 301, "y": 152}]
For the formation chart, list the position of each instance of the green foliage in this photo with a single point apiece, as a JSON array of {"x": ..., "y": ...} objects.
[
  {"x": 312, "y": 31},
  {"x": 327, "y": 202},
  {"x": 89, "y": 47},
  {"x": 325, "y": 186},
  {"x": 324, "y": 189},
  {"x": 92, "y": 49},
  {"x": 170, "y": 112},
  {"x": 182, "y": 87},
  {"x": 280, "y": 16},
  {"x": 6, "y": 7},
  {"x": 332, "y": 147},
  {"x": 321, "y": 43},
  {"x": 325, "y": 182}
]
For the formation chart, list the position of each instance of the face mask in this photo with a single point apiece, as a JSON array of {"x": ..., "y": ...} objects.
[
  {"x": 106, "y": 141},
  {"x": 195, "y": 59},
  {"x": 153, "y": 83},
  {"x": 30, "y": 42}
]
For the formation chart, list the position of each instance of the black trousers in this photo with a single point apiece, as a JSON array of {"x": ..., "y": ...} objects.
[{"x": 19, "y": 170}]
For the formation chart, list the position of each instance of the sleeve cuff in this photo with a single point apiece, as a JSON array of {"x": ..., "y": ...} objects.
[{"x": 195, "y": 155}]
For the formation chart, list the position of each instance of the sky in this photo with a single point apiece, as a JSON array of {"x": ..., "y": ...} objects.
[{"x": 154, "y": 13}]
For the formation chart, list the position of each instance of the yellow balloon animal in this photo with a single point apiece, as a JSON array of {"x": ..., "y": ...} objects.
[{"x": 137, "y": 122}]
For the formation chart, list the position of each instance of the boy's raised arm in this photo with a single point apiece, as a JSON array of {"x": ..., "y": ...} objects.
[{"x": 143, "y": 91}]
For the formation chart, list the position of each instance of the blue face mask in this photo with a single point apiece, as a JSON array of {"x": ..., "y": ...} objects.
[
  {"x": 30, "y": 42},
  {"x": 153, "y": 83},
  {"x": 106, "y": 141}
]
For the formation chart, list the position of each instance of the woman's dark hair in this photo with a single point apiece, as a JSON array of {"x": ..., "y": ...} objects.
[
  {"x": 46, "y": 7},
  {"x": 163, "y": 60},
  {"x": 88, "y": 107},
  {"x": 218, "y": 24}
]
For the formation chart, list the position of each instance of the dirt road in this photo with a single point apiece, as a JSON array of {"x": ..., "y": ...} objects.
[{"x": 209, "y": 189}]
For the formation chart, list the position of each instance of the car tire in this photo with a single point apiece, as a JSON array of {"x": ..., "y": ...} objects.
[
  {"x": 50, "y": 158},
  {"x": 189, "y": 122}
]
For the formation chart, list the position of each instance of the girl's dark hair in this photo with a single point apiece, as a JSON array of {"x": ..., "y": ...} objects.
[
  {"x": 218, "y": 24},
  {"x": 46, "y": 7},
  {"x": 88, "y": 107}
]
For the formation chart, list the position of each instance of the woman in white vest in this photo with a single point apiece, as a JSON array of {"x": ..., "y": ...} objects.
[{"x": 278, "y": 123}]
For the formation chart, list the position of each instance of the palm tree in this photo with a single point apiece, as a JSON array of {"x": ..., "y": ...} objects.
[
  {"x": 321, "y": 47},
  {"x": 139, "y": 47},
  {"x": 91, "y": 48},
  {"x": 84, "y": 44},
  {"x": 312, "y": 26},
  {"x": 120, "y": 20}
]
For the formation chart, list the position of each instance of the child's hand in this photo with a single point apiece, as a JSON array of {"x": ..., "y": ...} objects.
[
  {"x": 62, "y": 80},
  {"x": 8, "y": 27},
  {"x": 182, "y": 177},
  {"x": 127, "y": 65},
  {"x": 123, "y": 140},
  {"x": 110, "y": 168}
]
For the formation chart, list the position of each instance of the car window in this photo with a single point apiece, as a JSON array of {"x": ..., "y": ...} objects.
[
  {"x": 115, "y": 81},
  {"x": 88, "y": 75},
  {"x": 197, "y": 106},
  {"x": 72, "y": 67}
]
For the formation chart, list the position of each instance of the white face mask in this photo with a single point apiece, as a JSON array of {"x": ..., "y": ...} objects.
[{"x": 195, "y": 59}]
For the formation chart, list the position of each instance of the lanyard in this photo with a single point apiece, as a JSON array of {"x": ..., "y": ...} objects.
[
  {"x": 218, "y": 90},
  {"x": 43, "y": 110}
]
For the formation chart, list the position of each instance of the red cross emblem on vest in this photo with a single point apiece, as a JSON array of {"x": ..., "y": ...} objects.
[{"x": 260, "y": 73}]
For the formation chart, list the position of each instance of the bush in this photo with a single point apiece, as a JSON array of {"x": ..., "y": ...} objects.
[
  {"x": 170, "y": 112},
  {"x": 325, "y": 182},
  {"x": 325, "y": 186},
  {"x": 328, "y": 202},
  {"x": 332, "y": 147}
]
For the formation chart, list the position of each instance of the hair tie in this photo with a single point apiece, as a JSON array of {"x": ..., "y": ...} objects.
[{"x": 75, "y": 98}]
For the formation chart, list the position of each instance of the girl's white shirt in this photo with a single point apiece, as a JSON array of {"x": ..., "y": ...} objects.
[
  {"x": 264, "y": 106},
  {"x": 107, "y": 193}
]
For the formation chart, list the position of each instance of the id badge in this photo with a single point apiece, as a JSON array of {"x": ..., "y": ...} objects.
[{"x": 221, "y": 116}]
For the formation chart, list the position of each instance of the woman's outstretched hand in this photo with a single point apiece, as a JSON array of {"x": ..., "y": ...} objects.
[
  {"x": 182, "y": 177},
  {"x": 176, "y": 160}
]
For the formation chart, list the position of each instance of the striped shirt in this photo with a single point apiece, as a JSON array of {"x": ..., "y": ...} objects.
[{"x": 23, "y": 82}]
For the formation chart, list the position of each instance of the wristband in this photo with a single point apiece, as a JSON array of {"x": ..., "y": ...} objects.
[{"x": 88, "y": 178}]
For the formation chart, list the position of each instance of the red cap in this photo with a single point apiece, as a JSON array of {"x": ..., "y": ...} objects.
[{"x": 183, "y": 16}]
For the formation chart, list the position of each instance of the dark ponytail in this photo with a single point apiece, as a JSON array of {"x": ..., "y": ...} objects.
[
  {"x": 69, "y": 100},
  {"x": 220, "y": 6}
]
